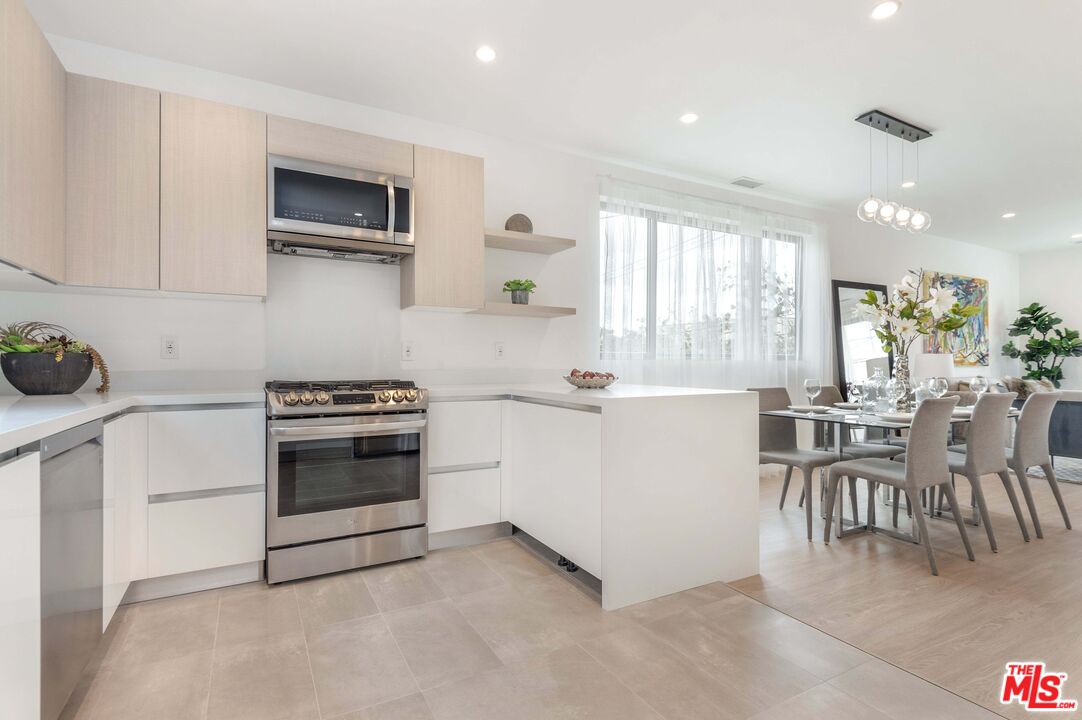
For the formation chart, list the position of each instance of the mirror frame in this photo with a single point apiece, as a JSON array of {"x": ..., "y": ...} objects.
[{"x": 839, "y": 349}]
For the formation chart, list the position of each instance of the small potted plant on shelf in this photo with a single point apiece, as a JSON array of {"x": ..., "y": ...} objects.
[
  {"x": 43, "y": 359},
  {"x": 520, "y": 291}
]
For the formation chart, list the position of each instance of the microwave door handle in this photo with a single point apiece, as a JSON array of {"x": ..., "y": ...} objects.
[
  {"x": 390, "y": 207},
  {"x": 333, "y": 431}
]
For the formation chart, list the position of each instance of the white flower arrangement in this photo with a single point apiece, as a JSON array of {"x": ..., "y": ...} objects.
[{"x": 913, "y": 309}]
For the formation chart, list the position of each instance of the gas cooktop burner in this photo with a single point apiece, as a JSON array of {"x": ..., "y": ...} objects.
[{"x": 343, "y": 397}]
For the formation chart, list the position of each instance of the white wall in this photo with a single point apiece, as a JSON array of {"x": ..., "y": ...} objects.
[
  {"x": 1052, "y": 279},
  {"x": 342, "y": 319}
]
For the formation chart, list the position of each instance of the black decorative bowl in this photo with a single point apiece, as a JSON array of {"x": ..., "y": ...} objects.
[{"x": 41, "y": 374}]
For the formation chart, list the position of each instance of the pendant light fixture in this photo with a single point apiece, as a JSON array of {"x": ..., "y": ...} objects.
[{"x": 889, "y": 212}]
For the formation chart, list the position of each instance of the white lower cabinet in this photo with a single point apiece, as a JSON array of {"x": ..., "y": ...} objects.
[
  {"x": 20, "y": 601},
  {"x": 463, "y": 433},
  {"x": 556, "y": 455},
  {"x": 207, "y": 449},
  {"x": 124, "y": 509},
  {"x": 463, "y": 499},
  {"x": 205, "y": 533}
]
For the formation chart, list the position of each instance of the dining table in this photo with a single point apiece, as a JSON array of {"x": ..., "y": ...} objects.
[{"x": 843, "y": 419}]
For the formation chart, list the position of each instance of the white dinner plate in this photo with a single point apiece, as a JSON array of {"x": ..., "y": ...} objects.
[
  {"x": 897, "y": 417},
  {"x": 809, "y": 408},
  {"x": 962, "y": 411},
  {"x": 847, "y": 406}
]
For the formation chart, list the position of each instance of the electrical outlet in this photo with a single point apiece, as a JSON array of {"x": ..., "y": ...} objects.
[
  {"x": 407, "y": 351},
  {"x": 499, "y": 350},
  {"x": 170, "y": 348}
]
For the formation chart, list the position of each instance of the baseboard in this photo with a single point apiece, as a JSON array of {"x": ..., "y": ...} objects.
[
  {"x": 468, "y": 536},
  {"x": 184, "y": 583}
]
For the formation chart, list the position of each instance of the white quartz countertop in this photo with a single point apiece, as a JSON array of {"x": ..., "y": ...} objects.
[
  {"x": 27, "y": 419},
  {"x": 564, "y": 392}
]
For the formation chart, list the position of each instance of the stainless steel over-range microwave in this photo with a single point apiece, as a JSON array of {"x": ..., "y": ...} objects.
[{"x": 327, "y": 205}]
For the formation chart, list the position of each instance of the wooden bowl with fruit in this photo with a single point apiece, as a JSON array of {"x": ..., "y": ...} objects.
[{"x": 590, "y": 380}]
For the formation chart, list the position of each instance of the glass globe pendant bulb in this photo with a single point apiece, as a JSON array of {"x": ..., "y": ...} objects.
[
  {"x": 886, "y": 213},
  {"x": 902, "y": 217},
  {"x": 868, "y": 208},
  {"x": 919, "y": 222}
]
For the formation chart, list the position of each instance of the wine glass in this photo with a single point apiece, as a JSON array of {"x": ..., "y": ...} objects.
[
  {"x": 812, "y": 388},
  {"x": 939, "y": 387},
  {"x": 979, "y": 385}
]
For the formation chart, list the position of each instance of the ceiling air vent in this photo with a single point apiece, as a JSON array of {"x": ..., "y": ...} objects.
[{"x": 747, "y": 182}]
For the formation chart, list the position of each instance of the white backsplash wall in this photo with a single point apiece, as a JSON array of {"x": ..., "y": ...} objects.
[{"x": 332, "y": 318}]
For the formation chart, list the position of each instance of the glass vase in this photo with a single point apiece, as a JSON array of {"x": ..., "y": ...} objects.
[{"x": 902, "y": 377}]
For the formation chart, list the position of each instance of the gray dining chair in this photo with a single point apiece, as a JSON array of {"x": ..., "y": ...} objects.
[
  {"x": 1031, "y": 450},
  {"x": 925, "y": 467},
  {"x": 777, "y": 445},
  {"x": 824, "y": 432},
  {"x": 985, "y": 455}
]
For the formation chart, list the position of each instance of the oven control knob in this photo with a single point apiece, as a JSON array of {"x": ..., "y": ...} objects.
[
  {"x": 412, "y": 394},
  {"x": 307, "y": 398},
  {"x": 323, "y": 397},
  {"x": 291, "y": 398},
  {"x": 384, "y": 396},
  {"x": 399, "y": 395}
]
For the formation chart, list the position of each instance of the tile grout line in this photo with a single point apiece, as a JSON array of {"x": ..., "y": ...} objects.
[
  {"x": 859, "y": 649},
  {"x": 615, "y": 677},
  {"x": 307, "y": 651}
]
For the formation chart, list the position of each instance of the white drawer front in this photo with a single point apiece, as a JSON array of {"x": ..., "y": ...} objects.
[
  {"x": 206, "y": 533},
  {"x": 463, "y": 433},
  {"x": 463, "y": 499},
  {"x": 207, "y": 449}
]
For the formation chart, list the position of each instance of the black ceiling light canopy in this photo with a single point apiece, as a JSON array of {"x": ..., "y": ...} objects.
[{"x": 891, "y": 125}]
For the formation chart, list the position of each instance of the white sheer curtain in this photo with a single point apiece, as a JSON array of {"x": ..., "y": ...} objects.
[{"x": 701, "y": 292}]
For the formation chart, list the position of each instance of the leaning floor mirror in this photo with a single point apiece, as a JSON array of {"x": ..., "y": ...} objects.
[{"x": 858, "y": 350}]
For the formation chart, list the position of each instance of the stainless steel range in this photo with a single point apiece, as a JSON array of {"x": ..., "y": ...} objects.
[{"x": 347, "y": 480}]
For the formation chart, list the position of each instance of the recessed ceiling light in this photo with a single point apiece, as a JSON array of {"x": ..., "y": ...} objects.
[
  {"x": 1008, "y": 215},
  {"x": 909, "y": 183},
  {"x": 485, "y": 54},
  {"x": 1077, "y": 236},
  {"x": 688, "y": 118},
  {"x": 884, "y": 10}
]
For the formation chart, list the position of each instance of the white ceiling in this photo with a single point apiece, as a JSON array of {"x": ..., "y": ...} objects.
[{"x": 775, "y": 82}]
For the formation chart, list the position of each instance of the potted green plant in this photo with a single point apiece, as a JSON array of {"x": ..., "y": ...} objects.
[
  {"x": 520, "y": 290},
  {"x": 1047, "y": 346},
  {"x": 42, "y": 359}
]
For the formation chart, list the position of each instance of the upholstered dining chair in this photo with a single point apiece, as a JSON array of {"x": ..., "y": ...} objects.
[
  {"x": 1030, "y": 449},
  {"x": 985, "y": 455},
  {"x": 925, "y": 466},
  {"x": 824, "y": 432},
  {"x": 777, "y": 445}
]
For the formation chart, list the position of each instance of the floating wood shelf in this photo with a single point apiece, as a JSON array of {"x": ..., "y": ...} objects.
[
  {"x": 526, "y": 242},
  {"x": 537, "y": 311}
]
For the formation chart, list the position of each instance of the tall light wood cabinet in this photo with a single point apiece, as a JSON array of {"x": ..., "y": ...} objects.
[
  {"x": 112, "y": 184},
  {"x": 213, "y": 197},
  {"x": 299, "y": 139},
  {"x": 32, "y": 90},
  {"x": 447, "y": 269}
]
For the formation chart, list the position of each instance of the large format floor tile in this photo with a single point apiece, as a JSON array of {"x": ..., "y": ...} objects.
[
  {"x": 265, "y": 679},
  {"x": 493, "y": 632},
  {"x": 567, "y": 683}
]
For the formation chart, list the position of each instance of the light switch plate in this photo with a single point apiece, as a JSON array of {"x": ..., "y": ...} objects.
[
  {"x": 499, "y": 350},
  {"x": 407, "y": 351}
]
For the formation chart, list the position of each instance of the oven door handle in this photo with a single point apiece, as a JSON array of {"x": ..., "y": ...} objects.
[{"x": 334, "y": 431}]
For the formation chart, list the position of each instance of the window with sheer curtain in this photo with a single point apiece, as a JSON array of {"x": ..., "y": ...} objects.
[{"x": 686, "y": 279}]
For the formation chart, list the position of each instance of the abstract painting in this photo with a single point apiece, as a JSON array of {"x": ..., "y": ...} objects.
[{"x": 968, "y": 344}]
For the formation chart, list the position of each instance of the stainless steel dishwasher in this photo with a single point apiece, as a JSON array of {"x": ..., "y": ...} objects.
[{"x": 71, "y": 560}]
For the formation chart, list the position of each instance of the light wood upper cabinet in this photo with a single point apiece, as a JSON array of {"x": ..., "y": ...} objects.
[
  {"x": 447, "y": 268},
  {"x": 112, "y": 184},
  {"x": 32, "y": 89},
  {"x": 213, "y": 197},
  {"x": 295, "y": 138}
]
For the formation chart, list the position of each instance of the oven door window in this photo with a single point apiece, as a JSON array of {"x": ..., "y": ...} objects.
[
  {"x": 329, "y": 200},
  {"x": 352, "y": 472}
]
